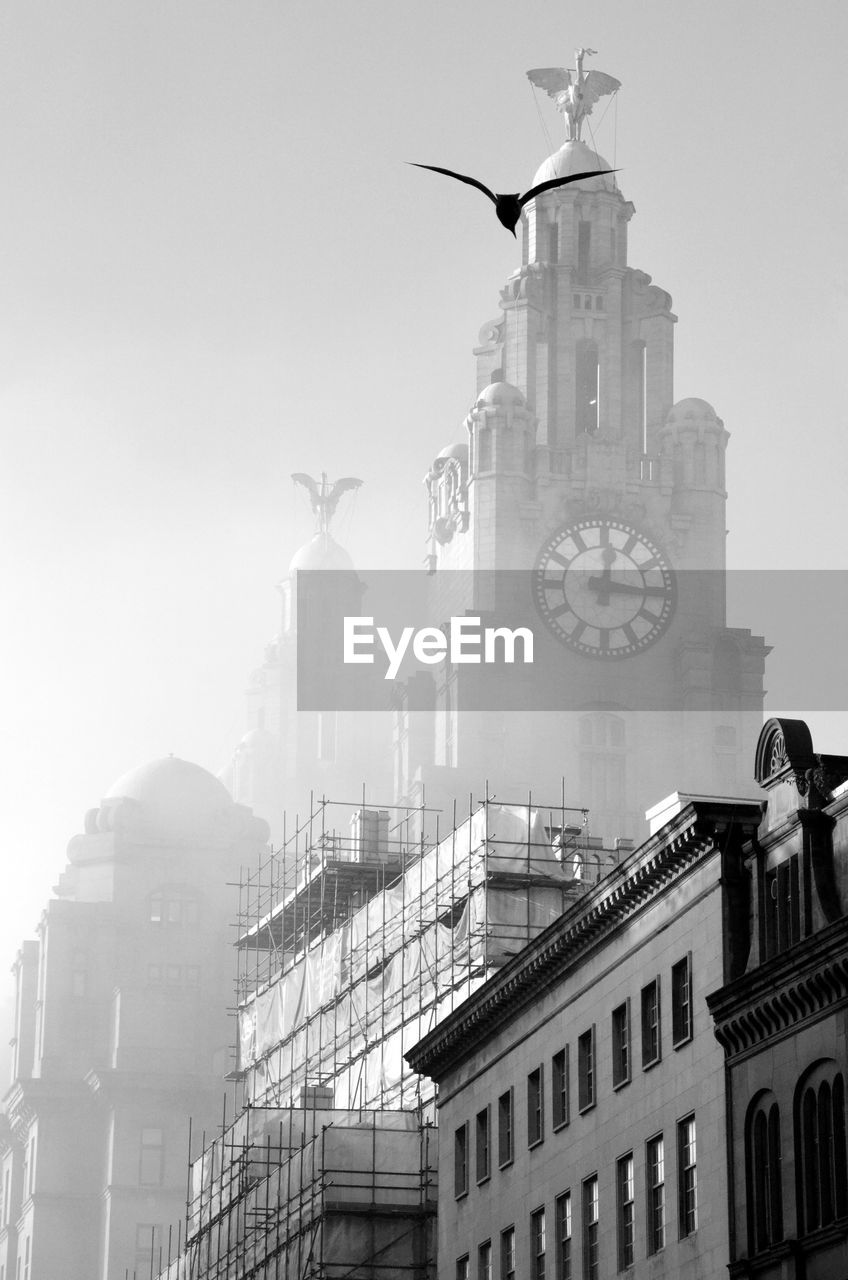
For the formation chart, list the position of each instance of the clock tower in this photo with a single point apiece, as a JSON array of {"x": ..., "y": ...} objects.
[{"x": 576, "y": 466}]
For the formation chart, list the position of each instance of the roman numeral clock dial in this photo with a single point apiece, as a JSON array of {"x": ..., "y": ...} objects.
[{"x": 604, "y": 589}]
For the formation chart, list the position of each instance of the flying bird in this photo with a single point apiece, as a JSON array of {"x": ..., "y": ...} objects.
[{"x": 508, "y": 207}]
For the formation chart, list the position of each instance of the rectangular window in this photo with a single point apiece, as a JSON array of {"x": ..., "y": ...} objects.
[
  {"x": 483, "y": 1129},
  {"x": 584, "y": 234},
  {"x": 687, "y": 1178},
  {"x": 31, "y": 1187},
  {"x": 625, "y": 1195},
  {"x": 462, "y": 1268},
  {"x": 586, "y": 1070},
  {"x": 655, "y": 1187},
  {"x": 782, "y": 906},
  {"x": 535, "y": 1116},
  {"x": 537, "y": 1245},
  {"x": 651, "y": 1047},
  {"x": 152, "y": 1158},
  {"x": 484, "y": 1261},
  {"x": 681, "y": 1001},
  {"x": 505, "y": 1128},
  {"x": 562, "y": 1211},
  {"x": 460, "y": 1161},
  {"x": 621, "y": 1044},
  {"x": 508, "y": 1254},
  {"x": 590, "y": 1229},
  {"x": 156, "y": 908},
  {"x": 560, "y": 1088}
]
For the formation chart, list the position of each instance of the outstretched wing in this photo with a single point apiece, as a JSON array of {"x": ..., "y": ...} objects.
[
  {"x": 560, "y": 182},
  {"x": 347, "y": 482},
  {"x": 596, "y": 84},
  {"x": 460, "y": 177},
  {"x": 300, "y": 477},
  {"x": 552, "y": 79}
]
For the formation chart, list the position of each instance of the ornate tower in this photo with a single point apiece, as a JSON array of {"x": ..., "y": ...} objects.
[{"x": 579, "y": 468}]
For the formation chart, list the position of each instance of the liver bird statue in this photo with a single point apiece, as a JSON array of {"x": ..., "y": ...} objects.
[
  {"x": 324, "y": 497},
  {"x": 574, "y": 91}
]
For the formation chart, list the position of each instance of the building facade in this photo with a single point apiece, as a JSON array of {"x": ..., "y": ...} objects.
[
  {"x": 121, "y": 1028},
  {"x": 575, "y": 460},
  {"x": 783, "y": 1024}
]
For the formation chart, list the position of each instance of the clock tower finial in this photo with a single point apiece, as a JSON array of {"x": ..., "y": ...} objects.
[{"x": 574, "y": 90}]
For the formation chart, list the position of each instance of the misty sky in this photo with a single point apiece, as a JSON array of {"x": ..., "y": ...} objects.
[{"x": 217, "y": 270}]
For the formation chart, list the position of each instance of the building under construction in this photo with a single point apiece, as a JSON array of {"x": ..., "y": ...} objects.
[{"x": 356, "y": 938}]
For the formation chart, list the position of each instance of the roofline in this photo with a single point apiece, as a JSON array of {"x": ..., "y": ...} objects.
[{"x": 663, "y": 857}]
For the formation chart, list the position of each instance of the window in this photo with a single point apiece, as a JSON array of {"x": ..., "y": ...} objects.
[
  {"x": 152, "y": 1158},
  {"x": 535, "y": 1117},
  {"x": 462, "y": 1268},
  {"x": 763, "y": 1174},
  {"x": 625, "y": 1195},
  {"x": 26, "y": 1258},
  {"x": 621, "y": 1044},
  {"x": 537, "y": 1245},
  {"x": 584, "y": 241},
  {"x": 562, "y": 1212},
  {"x": 484, "y": 1261},
  {"x": 590, "y": 1229},
  {"x": 505, "y": 1128},
  {"x": 821, "y": 1147},
  {"x": 156, "y": 908},
  {"x": 655, "y": 1186},
  {"x": 460, "y": 1161},
  {"x": 782, "y": 906},
  {"x": 651, "y": 1047},
  {"x": 681, "y": 1001},
  {"x": 483, "y": 1129},
  {"x": 587, "y": 386},
  {"x": 687, "y": 1178},
  {"x": 193, "y": 975},
  {"x": 586, "y": 1070},
  {"x": 508, "y": 1254},
  {"x": 560, "y": 1088},
  {"x": 31, "y": 1184}
]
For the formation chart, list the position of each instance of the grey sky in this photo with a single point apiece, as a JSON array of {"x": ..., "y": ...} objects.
[{"x": 216, "y": 269}]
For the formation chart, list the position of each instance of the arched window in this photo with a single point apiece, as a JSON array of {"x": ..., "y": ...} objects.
[
  {"x": 763, "y": 1164},
  {"x": 821, "y": 1147}
]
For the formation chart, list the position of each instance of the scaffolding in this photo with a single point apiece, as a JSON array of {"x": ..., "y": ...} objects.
[
  {"x": 308, "y": 1193},
  {"x": 356, "y": 940}
]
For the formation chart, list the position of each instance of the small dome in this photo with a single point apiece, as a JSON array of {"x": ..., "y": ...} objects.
[
  {"x": 691, "y": 410},
  {"x": 175, "y": 798},
  {"x": 258, "y": 740},
  {"x": 576, "y": 157},
  {"x": 321, "y": 552},
  {"x": 500, "y": 393},
  {"x": 458, "y": 450}
]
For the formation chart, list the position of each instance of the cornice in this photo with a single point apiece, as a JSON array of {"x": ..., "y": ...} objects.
[
  {"x": 796, "y": 987},
  {"x": 664, "y": 858}
]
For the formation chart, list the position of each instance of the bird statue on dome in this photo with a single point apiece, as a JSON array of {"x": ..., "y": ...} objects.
[
  {"x": 323, "y": 498},
  {"x": 508, "y": 206},
  {"x": 574, "y": 91}
]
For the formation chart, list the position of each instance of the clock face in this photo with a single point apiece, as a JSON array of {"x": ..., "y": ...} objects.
[{"x": 603, "y": 588}]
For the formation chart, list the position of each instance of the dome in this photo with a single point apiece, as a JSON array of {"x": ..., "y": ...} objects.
[
  {"x": 576, "y": 157},
  {"x": 458, "y": 450},
  {"x": 175, "y": 798},
  {"x": 691, "y": 410},
  {"x": 321, "y": 552},
  {"x": 500, "y": 393}
]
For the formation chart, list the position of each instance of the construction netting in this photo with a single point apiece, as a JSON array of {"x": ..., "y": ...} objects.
[
  {"x": 301, "y": 1192},
  {"x": 348, "y": 1007}
]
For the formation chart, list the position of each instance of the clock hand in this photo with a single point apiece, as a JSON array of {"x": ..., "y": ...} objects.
[
  {"x": 603, "y": 583},
  {"x": 604, "y": 586}
]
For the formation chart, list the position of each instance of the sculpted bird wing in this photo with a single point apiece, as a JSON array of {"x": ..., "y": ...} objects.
[
  {"x": 300, "y": 477},
  {"x": 560, "y": 182},
  {"x": 347, "y": 482},
  {"x": 552, "y": 79},
  {"x": 460, "y": 177},
  {"x": 596, "y": 84}
]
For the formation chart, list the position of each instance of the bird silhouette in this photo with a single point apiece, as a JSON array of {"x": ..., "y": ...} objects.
[{"x": 508, "y": 206}]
